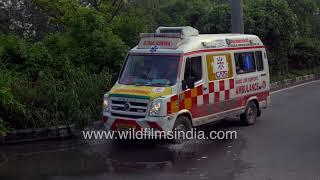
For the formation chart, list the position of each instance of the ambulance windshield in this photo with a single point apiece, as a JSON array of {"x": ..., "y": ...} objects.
[{"x": 158, "y": 71}]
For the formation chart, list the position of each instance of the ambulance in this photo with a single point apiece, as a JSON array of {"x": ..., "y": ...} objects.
[{"x": 178, "y": 79}]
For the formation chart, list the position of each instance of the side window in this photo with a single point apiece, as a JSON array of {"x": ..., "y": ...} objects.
[
  {"x": 193, "y": 68},
  {"x": 259, "y": 61},
  {"x": 245, "y": 62}
]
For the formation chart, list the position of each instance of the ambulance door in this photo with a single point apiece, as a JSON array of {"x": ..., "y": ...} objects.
[
  {"x": 264, "y": 79},
  {"x": 262, "y": 70},
  {"x": 221, "y": 83},
  {"x": 191, "y": 98}
]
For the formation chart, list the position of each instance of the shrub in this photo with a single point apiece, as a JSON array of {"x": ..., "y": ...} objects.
[
  {"x": 3, "y": 129},
  {"x": 12, "y": 51},
  {"x": 306, "y": 54},
  {"x": 54, "y": 102},
  {"x": 9, "y": 105}
]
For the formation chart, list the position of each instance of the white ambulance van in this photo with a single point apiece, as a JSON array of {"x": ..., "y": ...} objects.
[{"x": 177, "y": 78}]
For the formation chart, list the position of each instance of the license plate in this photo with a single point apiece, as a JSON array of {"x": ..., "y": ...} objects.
[
  {"x": 125, "y": 127},
  {"x": 127, "y": 100}
]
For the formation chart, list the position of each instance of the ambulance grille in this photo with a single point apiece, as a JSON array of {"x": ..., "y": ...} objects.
[{"x": 129, "y": 108}]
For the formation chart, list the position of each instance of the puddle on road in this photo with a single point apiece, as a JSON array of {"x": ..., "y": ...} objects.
[{"x": 203, "y": 159}]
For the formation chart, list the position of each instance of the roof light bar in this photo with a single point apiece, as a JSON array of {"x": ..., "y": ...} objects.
[
  {"x": 186, "y": 31},
  {"x": 164, "y": 35}
]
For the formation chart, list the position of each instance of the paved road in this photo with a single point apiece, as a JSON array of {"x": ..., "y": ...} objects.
[{"x": 284, "y": 144}]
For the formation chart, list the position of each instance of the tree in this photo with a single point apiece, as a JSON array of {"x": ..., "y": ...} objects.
[
  {"x": 23, "y": 18},
  {"x": 306, "y": 54},
  {"x": 4, "y": 19},
  {"x": 87, "y": 38},
  {"x": 183, "y": 13},
  {"x": 275, "y": 23},
  {"x": 216, "y": 21},
  {"x": 304, "y": 10}
]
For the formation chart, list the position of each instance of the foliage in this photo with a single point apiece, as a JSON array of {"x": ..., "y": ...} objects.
[
  {"x": 54, "y": 68},
  {"x": 12, "y": 51},
  {"x": 275, "y": 23},
  {"x": 304, "y": 9},
  {"x": 88, "y": 37},
  {"x": 4, "y": 20},
  {"x": 3, "y": 129},
  {"x": 129, "y": 25},
  {"x": 306, "y": 53},
  {"x": 217, "y": 21},
  {"x": 8, "y": 103},
  {"x": 55, "y": 102},
  {"x": 183, "y": 13}
]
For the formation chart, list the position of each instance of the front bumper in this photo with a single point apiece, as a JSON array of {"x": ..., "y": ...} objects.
[{"x": 157, "y": 123}]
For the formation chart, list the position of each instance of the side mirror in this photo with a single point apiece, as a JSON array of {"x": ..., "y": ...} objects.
[{"x": 189, "y": 83}]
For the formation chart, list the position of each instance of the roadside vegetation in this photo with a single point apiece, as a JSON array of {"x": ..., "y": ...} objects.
[{"x": 57, "y": 57}]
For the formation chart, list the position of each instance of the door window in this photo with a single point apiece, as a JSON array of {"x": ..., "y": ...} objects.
[
  {"x": 193, "y": 68},
  {"x": 245, "y": 62},
  {"x": 259, "y": 61}
]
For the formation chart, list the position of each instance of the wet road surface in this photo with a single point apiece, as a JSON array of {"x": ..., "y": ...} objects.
[{"x": 284, "y": 144}]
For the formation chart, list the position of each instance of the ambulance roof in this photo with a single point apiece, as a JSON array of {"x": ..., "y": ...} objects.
[{"x": 179, "y": 40}]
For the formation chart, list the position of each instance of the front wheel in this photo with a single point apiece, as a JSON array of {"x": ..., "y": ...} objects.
[
  {"x": 249, "y": 117},
  {"x": 181, "y": 127}
]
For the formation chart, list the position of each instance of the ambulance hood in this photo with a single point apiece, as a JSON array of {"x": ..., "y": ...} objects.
[{"x": 139, "y": 92}]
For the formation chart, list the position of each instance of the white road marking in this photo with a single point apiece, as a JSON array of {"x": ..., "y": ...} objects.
[{"x": 292, "y": 87}]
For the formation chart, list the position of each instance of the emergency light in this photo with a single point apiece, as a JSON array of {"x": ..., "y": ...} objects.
[
  {"x": 185, "y": 31},
  {"x": 166, "y": 38},
  {"x": 163, "y": 35}
]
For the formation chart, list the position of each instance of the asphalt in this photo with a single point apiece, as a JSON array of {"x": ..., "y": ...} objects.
[{"x": 283, "y": 144}]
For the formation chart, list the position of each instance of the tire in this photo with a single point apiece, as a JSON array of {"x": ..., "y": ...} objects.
[
  {"x": 182, "y": 124},
  {"x": 249, "y": 117}
]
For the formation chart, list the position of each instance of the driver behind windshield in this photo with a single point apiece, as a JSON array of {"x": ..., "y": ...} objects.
[
  {"x": 150, "y": 71},
  {"x": 169, "y": 71}
]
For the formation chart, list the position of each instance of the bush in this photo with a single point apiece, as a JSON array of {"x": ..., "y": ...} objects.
[
  {"x": 12, "y": 51},
  {"x": 55, "y": 102},
  {"x": 62, "y": 77},
  {"x": 3, "y": 129},
  {"x": 9, "y": 105},
  {"x": 306, "y": 54}
]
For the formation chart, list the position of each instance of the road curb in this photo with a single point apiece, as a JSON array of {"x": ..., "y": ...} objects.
[
  {"x": 294, "y": 81},
  {"x": 40, "y": 134},
  {"x": 71, "y": 131},
  {"x": 26, "y": 135}
]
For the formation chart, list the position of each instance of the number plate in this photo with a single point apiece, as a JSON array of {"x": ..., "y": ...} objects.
[
  {"x": 127, "y": 100},
  {"x": 123, "y": 127}
]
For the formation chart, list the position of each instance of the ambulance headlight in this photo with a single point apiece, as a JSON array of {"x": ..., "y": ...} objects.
[
  {"x": 106, "y": 102},
  {"x": 155, "y": 108}
]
